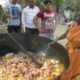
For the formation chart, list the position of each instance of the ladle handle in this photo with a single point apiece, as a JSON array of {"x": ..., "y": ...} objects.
[
  {"x": 24, "y": 50},
  {"x": 75, "y": 76}
]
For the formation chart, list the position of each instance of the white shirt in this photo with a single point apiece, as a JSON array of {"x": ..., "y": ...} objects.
[
  {"x": 67, "y": 14},
  {"x": 28, "y": 15}
]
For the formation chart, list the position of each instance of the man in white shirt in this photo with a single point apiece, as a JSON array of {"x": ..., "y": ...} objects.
[
  {"x": 28, "y": 14},
  {"x": 67, "y": 14}
]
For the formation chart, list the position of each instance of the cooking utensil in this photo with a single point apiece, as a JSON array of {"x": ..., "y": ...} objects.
[
  {"x": 34, "y": 44},
  {"x": 44, "y": 52},
  {"x": 24, "y": 50},
  {"x": 72, "y": 78}
]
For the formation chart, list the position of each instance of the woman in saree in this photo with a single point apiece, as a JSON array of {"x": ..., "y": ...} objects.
[{"x": 73, "y": 46}]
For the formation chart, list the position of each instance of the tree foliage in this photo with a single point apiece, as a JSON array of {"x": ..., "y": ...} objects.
[
  {"x": 55, "y": 3},
  {"x": 74, "y": 4},
  {"x": 58, "y": 4}
]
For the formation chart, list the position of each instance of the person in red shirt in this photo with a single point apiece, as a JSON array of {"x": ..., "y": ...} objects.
[{"x": 45, "y": 21}]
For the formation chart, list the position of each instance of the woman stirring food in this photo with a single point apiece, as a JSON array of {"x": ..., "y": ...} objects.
[{"x": 73, "y": 45}]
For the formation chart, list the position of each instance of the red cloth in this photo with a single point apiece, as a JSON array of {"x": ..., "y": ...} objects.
[
  {"x": 41, "y": 13},
  {"x": 44, "y": 16}
]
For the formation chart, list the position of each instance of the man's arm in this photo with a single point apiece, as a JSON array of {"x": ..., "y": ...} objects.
[
  {"x": 35, "y": 20},
  {"x": 20, "y": 8},
  {"x": 63, "y": 36},
  {"x": 23, "y": 20},
  {"x": 7, "y": 13}
]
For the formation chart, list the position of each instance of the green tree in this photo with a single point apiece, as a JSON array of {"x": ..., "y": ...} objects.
[{"x": 58, "y": 4}]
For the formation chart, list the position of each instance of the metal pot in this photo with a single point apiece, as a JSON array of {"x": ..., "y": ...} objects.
[{"x": 33, "y": 44}]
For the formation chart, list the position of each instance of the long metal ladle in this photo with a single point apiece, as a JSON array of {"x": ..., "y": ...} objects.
[{"x": 24, "y": 50}]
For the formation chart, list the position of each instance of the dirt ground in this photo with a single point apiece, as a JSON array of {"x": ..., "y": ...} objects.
[{"x": 59, "y": 31}]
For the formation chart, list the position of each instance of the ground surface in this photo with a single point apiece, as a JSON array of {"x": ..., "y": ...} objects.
[{"x": 59, "y": 31}]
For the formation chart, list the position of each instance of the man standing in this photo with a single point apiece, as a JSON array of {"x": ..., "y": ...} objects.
[
  {"x": 67, "y": 14},
  {"x": 12, "y": 11},
  {"x": 28, "y": 14},
  {"x": 47, "y": 17}
]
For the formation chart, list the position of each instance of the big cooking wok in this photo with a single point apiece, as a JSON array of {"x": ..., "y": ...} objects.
[{"x": 33, "y": 44}]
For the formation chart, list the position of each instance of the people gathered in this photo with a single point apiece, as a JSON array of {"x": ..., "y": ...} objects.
[{"x": 31, "y": 19}]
